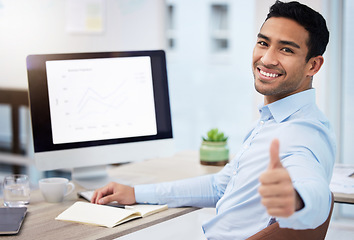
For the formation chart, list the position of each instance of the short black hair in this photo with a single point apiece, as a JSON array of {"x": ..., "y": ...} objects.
[{"x": 311, "y": 20}]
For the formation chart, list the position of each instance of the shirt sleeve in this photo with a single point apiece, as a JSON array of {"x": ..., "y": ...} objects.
[
  {"x": 309, "y": 162},
  {"x": 313, "y": 188},
  {"x": 202, "y": 191},
  {"x": 188, "y": 192}
]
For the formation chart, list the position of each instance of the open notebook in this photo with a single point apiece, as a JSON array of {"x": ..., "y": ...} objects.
[{"x": 107, "y": 216}]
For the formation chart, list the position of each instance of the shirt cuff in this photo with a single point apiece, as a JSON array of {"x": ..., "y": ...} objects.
[
  {"x": 304, "y": 218},
  {"x": 145, "y": 194},
  {"x": 295, "y": 220}
]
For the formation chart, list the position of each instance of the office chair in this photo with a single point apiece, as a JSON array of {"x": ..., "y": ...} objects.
[{"x": 274, "y": 232}]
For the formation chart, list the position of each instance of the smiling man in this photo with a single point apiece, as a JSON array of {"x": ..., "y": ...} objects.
[
  {"x": 283, "y": 170},
  {"x": 285, "y": 59}
]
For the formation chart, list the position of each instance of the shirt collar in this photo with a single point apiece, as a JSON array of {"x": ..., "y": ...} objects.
[{"x": 285, "y": 107}]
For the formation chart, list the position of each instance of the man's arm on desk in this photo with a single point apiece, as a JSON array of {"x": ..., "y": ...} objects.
[
  {"x": 197, "y": 192},
  {"x": 114, "y": 192}
]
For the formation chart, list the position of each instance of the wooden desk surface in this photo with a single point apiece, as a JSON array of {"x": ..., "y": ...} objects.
[
  {"x": 40, "y": 223},
  {"x": 343, "y": 198}
]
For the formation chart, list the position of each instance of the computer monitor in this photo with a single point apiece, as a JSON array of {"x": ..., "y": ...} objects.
[{"x": 89, "y": 110}]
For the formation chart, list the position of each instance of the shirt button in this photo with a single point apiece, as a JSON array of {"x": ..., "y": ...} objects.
[
  {"x": 245, "y": 146},
  {"x": 234, "y": 172},
  {"x": 261, "y": 122}
]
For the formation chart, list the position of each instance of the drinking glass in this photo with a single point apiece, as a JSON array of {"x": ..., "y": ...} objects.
[{"x": 16, "y": 190}]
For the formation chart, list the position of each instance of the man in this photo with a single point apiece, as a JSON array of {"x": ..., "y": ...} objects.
[{"x": 288, "y": 182}]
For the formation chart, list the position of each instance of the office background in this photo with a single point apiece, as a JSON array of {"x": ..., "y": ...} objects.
[{"x": 209, "y": 47}]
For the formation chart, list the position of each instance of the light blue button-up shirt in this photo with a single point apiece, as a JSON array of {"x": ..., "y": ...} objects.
[{"x": 307, "y": 151}]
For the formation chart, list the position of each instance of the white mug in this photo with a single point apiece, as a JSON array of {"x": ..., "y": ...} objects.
[{"x": 55, "y": 189}]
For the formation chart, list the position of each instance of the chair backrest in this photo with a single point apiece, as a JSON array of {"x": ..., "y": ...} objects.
[{"x": 274, "y": 232}]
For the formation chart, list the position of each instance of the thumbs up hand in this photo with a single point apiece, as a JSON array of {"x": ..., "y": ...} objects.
[{"x": 276, "y": 190}]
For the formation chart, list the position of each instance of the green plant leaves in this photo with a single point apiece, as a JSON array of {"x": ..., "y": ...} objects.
[{"x": 215, "y": 136}]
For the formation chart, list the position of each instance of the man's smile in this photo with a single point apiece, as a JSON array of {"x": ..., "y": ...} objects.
[{"x": 268, "y": 74}]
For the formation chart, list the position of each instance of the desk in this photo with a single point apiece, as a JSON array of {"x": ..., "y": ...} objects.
[
  {"x": 343, "y": 198},
  {"x": 40, "y": 223}
]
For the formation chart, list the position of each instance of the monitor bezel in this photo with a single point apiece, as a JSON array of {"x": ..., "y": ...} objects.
[{"x": 39, "y": 102}]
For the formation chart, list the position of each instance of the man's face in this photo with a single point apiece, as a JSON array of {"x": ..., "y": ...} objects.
[{"x": 279, "y": 59}]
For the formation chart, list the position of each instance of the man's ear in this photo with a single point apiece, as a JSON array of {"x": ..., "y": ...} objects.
[{"x": 314, "y": 65}]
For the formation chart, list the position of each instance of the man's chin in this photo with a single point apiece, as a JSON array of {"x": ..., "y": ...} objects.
[{"x": 263, "y": 90}]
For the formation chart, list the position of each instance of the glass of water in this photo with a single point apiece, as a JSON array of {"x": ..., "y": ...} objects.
[{"x": 16, "y": 190}]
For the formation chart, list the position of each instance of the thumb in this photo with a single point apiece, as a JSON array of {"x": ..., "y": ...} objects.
[{"x": 274, "y": 155}]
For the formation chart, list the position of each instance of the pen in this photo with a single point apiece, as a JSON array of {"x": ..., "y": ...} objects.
[{"x": 115, "y": 205}]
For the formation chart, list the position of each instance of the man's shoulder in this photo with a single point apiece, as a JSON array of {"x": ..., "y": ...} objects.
[{"x": 309, "y": 116}]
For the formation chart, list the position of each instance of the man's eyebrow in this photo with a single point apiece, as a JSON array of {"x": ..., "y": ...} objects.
[
  {"x": 283, "y": 42},
  {"x": 289, "y": 43},
  {"x": 260, "y": 35}
]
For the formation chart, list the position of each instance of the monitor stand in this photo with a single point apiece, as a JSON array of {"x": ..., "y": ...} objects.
[{"x": 92, "y": 177}]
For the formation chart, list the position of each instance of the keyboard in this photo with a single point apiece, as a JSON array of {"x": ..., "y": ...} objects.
[
  {"x": 89, "y": 193},
  {"x": 86, "y": 194}
]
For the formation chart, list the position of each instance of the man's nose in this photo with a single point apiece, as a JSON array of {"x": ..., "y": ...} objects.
[{"x": 270, "y": 58}]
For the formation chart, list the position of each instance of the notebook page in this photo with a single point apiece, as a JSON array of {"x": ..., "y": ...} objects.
[{"x": 95, "y": 214}]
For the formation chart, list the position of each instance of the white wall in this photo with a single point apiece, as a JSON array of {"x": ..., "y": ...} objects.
[
  {"x": 211, "y": 89},
  {"x": 39, "y": 26}
]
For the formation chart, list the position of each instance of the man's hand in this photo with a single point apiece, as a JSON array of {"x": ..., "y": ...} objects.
[
  {"x": 277, "y": 191},
  {"x": 114, "y": 192}
]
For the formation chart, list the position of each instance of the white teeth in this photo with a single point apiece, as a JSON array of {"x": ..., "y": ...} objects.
[{"x": 269, "y": 74}]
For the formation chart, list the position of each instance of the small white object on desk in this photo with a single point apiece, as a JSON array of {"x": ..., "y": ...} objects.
[
  {"x": 54, "y": 189},
  {"x": 343, "y": 179}
]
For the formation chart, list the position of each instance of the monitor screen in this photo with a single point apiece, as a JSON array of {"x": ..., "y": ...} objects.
[{"x": 93, "y": 109}]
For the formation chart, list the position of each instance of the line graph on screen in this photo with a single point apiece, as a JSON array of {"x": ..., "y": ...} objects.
[{"x": 101, "y": 100}]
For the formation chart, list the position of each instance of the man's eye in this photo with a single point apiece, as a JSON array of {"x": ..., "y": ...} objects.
[
  {"x": 287, "y": 50},
  {"x": 262, "y": 43}
]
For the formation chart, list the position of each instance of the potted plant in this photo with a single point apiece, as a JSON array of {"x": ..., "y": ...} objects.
[{"x": 214, "y": 150}]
